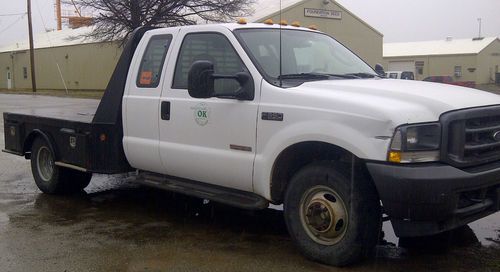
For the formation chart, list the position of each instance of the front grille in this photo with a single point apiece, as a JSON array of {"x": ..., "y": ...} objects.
[{"x": 469, "y": 136}]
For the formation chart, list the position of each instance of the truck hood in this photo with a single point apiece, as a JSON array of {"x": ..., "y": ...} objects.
[{"x": 400, "y": 101}]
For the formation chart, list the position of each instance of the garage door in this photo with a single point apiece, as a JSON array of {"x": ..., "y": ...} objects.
[{"x": 402, "y": 66}]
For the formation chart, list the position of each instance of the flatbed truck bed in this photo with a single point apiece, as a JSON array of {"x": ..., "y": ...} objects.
[{"x": 84, "y": 138}]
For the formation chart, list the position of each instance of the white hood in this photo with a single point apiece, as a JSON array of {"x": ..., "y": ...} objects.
[{"x": 401, "y": 101}]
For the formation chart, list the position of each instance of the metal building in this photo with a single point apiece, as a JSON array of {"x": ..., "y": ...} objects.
[
  {"x": 329, "y": 17},
  {"x": 64, "y": 60},
  {"x": 475, "y": 59}
]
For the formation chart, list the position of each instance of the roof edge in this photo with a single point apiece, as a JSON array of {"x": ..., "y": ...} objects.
[{"x": 334, "y": 2}]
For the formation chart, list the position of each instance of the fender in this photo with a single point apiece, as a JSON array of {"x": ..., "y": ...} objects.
[
  {"x": 28, "y": 142},
  {"x": 357, "y": 142}
]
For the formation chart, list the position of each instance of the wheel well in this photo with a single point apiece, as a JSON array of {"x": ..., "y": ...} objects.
[
  {"x": 294, "y": 157},
  {"x": 28, "y": 142}
]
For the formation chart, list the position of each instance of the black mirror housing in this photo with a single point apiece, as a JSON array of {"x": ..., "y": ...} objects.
[
  {"x": 201, "y": 82},
  {"x": 379, "y": 69},
  {"x": 200, "y": 79}
]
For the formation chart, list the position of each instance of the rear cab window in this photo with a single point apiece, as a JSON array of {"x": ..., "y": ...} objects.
[{"x": 152, "y": 61}]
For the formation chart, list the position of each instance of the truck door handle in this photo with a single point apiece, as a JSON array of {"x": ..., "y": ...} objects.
[{"x": 165, "y": 110}]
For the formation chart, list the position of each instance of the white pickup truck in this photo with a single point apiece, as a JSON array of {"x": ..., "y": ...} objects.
[{"x": 252, "y": 114}]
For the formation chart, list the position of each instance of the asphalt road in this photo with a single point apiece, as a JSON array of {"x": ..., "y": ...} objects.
[{"x": 118, "y": 225}]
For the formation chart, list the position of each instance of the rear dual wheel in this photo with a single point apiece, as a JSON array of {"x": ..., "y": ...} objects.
[
  {"x": 53, "y": 179},
  {"x": 332, "y": 218}
]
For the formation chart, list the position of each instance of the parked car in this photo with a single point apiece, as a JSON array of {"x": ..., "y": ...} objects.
[
  {"x": 400, "y": 75},
  {"x": 208, "y": 111},
  {"x": 449, "y": 80}
]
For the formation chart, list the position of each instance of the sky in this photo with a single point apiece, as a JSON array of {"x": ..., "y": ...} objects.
[{"x": 398, "y": 20}]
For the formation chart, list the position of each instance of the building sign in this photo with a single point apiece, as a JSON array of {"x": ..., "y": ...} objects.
[{"x": 323, "y": 13}]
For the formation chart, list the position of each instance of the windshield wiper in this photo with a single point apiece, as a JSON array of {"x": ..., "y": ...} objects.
[
  {"x": 363, "y": 75},
  {"x": 316, "y": 76},
  {"x": 303, "y": 76}
]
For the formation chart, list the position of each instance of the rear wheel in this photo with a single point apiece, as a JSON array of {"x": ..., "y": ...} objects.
[
  {"x": 330, "y": 219},
  {"x": 50, "y": 178}
]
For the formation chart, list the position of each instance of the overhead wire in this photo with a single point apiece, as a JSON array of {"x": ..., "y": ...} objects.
[
  {"x": 13, "y": 23},
  {"x": 50, "y": 43}
]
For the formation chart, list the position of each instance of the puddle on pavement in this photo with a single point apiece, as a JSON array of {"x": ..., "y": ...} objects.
[{"x": 115, "y": 210}]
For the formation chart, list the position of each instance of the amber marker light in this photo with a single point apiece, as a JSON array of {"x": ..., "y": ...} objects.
[
  {"x": 242, "y": 21},
  {"x": 313, "y": 27},
  {"x": 395, "y": 156},
  {"x": 102, "y": 137},
  {"x": 268, "y": 22},
  {"x": 283, "y": 22},
  {"x": 295, "y": 23}
]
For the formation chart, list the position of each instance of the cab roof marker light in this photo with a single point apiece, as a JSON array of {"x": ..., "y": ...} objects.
[
  {"x": 295, "y": 24},
  {"x": 269, "y": 22},
  {"x": 313, "y": 27},
  {"x": 283, "y": 22},
  {"x": 242, "y": 21}
]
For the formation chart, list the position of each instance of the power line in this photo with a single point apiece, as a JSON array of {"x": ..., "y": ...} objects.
[
  {"x": 13, "y": 14},
  {"x": 13, "y": 23}
]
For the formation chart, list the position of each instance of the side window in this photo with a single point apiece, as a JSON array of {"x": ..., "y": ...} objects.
[
  {"x": 152, "y": 61},
  {"x": 215, "y": 48}
]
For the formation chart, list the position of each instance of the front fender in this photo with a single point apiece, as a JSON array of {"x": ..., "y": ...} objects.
[{"x": 358, "y": 142}]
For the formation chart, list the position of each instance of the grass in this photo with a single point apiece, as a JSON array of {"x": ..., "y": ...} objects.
[{"x": 90, "y": 94}]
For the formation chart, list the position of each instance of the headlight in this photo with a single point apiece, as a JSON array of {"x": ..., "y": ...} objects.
[{"x": 415, "y": 143}]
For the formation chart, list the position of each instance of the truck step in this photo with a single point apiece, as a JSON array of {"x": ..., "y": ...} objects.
[{"x": 232, "y": 197}]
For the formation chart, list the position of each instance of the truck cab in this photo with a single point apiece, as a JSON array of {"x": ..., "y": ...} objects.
[{"x": 252, "y": 114}]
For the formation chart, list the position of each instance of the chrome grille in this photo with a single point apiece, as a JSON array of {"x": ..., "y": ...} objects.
[{"x": 469, "y": 136}]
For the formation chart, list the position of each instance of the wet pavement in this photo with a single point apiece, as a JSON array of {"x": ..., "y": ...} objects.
[{"x": 117, "y": 225}]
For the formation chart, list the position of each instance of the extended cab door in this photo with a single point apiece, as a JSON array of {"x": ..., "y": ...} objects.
[
  {"x": 210, "y": 140},
  {"x": 142, "y": 97}
]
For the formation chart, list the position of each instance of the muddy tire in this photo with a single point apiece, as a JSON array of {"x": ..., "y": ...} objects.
[
  {"x": 50, "y": 178},
  {"x": 329, "y": 219}
]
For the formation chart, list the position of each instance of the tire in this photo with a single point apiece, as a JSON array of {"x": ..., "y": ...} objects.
[
  {"x": 50, "y": 178},
  {"x": 330, "y": 220}
]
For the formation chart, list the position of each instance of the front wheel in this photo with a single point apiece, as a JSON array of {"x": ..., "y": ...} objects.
[
  {"x": 50, "y": 178},
  {"x": 331, "y": 218}
]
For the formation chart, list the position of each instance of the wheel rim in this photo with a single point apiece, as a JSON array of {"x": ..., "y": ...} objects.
[
  {"x": 45, "y": 163},
  {"x": 323, "y": 215}
]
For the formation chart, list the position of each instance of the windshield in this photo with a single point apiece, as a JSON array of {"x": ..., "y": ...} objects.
[{"x": 305, "y": 55}]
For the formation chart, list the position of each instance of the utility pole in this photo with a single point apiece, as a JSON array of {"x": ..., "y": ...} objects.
[
  {"x": 32, "y": 52},
  {"x": 58, "y": 14}
]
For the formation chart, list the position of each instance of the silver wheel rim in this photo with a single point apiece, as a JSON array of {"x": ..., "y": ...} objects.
[
  {"x": 323, "y": 215},
  {"x": 45, "y": 163}
]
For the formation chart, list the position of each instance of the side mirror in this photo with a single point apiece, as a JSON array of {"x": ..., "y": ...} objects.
[
  {"x": 379, "y": 69},
  {"x": 201, "y": 82},
  {"x": 200, "y": 79}
]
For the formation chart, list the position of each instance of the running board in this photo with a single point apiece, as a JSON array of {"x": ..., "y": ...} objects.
[{"x": 232, "y": 197}]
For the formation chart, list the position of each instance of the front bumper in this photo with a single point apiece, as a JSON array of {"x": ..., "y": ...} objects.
[{"x": 427, "y": 199}]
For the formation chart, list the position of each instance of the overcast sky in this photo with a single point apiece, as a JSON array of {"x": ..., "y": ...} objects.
[{"x": 398, "y": 20}]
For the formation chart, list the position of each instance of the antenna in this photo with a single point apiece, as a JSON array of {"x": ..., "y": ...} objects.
[
  {"x": 281, "y": 61},
  {"x": 479, "y": 20}
]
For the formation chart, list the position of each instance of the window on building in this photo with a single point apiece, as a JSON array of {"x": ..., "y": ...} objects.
[
  {"x": 419, "y": 65},
  {"x": 215, "y": 48},
  {"x": 152, "y": 61},
  {"x": 458, "y": 71},
  {"x": 25, "y": 72}
]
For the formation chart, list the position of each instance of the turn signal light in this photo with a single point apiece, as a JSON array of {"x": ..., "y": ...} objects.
[{"x": 395, "y": 156}]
